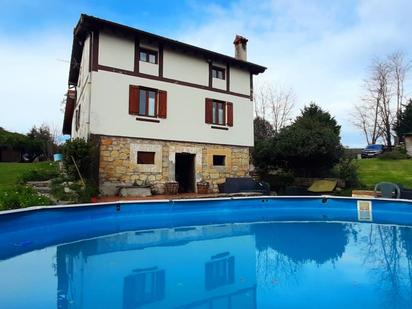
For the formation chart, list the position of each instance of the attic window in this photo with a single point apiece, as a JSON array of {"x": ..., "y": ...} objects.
[
  {"x": 147, "y": 55},
  {"x": 218, "y": 73},
  {"x": 145, "y": 157},
  {"x": 219, "y": 160}
]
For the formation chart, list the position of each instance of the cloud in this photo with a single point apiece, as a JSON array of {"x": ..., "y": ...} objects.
[{"x": 33, "y": 79}]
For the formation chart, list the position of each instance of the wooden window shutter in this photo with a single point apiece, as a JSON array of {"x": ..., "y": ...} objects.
[
  {"x": 133, "y": 99},
  {"x": 162, "y": 104},
  {"x": 209, "y": 111},
  {"x": 229, "y": 112}
]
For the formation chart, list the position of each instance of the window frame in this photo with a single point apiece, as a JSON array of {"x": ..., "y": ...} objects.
[
  {"x": 215, "y": 113},
  {"x": 218, "y": 69},
  {"x": 148, "y": 52},
  {"x": 156, "y": 92}
]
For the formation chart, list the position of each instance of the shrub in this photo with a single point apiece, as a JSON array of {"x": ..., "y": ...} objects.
[
  {"x": 38, "y": 175},
  {"x": 396, "y": 154},
  {"x": 77, "y": 193},
  {"x": 279, "y": 180},
  {"x": 20, "y": 197},
  {"x": 79, "y": 150},
  {"x": 347, "y": 169}
]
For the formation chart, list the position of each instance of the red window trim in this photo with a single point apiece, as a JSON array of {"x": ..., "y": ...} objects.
[
  {"x": 149, "y": 52},
  {"x": 156, "y": 91},
  {"x": 216, "y": 68}
]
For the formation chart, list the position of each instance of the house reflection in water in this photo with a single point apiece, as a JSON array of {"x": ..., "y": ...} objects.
[{"x": 201, "y": 267}]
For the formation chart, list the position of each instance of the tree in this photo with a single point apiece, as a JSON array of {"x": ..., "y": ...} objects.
[
  {"x": 383, "y": 98},
  {"x": 263, "y": 130},
  {"x": 45, "y": 139},
  {"x": 274, "y": 105},
  {"x": 403, "y": 123},
  {"x": 310, "y": 146},
  {"x": 399, "y": 68}
]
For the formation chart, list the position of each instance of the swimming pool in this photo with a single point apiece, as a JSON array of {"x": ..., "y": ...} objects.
[{"x": 315, "y": 252}]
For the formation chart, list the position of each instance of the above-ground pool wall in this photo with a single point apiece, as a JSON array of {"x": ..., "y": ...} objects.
[{"x": 38, "y": 227}]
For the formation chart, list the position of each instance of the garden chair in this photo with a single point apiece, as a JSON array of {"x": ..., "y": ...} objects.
[{"x": 388, "y": 190}]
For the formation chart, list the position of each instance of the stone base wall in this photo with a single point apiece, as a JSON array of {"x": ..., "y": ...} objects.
[{"x": 118, "y": 163}]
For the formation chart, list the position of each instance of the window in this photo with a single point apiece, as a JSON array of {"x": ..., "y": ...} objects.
[
  {"x": 219, "y": 271},
  {"x": 148, "y": 56},
  {"x": 143, "y": 287},
  {"x": 145, "y": 157},
  {"x": 219, "y": 160},
  {"x": 218, "y": 73},
  {"x": 77, "y": 123},
  {"x": 147, "y": 102},
  {"x": 218, "y": 113}
]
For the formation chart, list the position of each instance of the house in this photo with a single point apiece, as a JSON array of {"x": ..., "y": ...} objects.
[
  {"x": 138, "y": 274},
  {"x": 159, "y": 110},
  {"x": 408, "y": 143}
]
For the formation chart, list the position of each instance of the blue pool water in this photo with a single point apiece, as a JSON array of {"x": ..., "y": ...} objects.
[{"x": 93, "y": 260}]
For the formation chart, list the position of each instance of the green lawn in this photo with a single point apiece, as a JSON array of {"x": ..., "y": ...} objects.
[
  {"x": 372, "y": 171},
  {"x": 10, "y": 172}
]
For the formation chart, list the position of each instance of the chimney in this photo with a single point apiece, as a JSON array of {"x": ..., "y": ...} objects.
[{"x": 240, "y": 47}]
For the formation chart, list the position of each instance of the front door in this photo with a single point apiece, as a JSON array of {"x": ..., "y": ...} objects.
[{"x": 185, "y": 172}]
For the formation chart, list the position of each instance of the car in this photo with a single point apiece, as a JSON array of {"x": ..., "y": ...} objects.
[{"x": 372, "y": 150}]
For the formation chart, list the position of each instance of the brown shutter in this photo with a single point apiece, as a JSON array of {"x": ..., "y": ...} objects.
[
  {"x": 209, "y": 111},
  {"x": 229, "y": 111},
  {"x": 162, "y": 104},
  {"x": 133, "y": 99}
]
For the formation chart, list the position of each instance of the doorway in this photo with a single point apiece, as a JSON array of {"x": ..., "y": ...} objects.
[{"x": 185, "y": 172}]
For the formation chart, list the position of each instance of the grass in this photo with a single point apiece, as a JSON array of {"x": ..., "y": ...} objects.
[
  {"x": 11, "y": 172},
  {"x": 373, "y": 171}
]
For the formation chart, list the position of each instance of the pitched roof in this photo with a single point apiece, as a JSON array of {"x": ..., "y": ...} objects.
[{"x": 90, "y": 23}]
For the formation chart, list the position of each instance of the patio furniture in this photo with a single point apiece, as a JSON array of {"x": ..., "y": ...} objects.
[
  {"x": 323, "y": 186},
  {"x": 405, "y": 193},
  {"x": 387, "y": 190},
  {"x": 244, "y": 184}
]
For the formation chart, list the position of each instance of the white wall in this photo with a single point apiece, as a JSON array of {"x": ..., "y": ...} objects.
[
  {"x": 239, "y": 81},
  {"x": 83, "y": 94},
  {"x": 185, "y": 67},
  {"x": 185, "y": 112},
  {"x": 116, "y": 51}
]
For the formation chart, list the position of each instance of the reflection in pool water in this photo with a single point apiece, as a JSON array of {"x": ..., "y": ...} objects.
[{"x": 265, "y": 265}]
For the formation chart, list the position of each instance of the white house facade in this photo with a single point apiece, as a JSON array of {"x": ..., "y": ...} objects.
[{"x": 159, "y": 110}]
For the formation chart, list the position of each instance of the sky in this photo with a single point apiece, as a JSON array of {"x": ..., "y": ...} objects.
[{"x": 321, "y": 49}]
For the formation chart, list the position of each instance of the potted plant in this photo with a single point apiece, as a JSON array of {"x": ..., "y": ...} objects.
[
  {"x": 171, "y": 187},
  {"x": 202, "y": 187}
]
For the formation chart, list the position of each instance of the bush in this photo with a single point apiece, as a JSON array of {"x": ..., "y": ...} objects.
[
  {"x": 38, "y": 175},
  {"x": 279, "y": 180},
  {"x": 396, "y": 154},
  {"x": 20, "y": 197},
  {"x": 81, "y": 151},
  {"x": 347, "y": 170},
  {"x": 77, "y": 193}
]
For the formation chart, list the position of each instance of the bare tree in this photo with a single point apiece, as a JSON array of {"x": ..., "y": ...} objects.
[
  {"x": 383, "y": 99},
  {"x": 399, "y": 68},
  {"x": 274, "y": 104},
  {"x": 380, "y": 88},
  {"x": 366, "y": 121}
]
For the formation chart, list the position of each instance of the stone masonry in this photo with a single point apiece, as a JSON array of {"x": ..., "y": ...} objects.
[{"x": 118, "y": 163}]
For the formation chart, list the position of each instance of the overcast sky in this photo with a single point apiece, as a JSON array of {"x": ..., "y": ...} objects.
[{"x": 321, "y": 49}]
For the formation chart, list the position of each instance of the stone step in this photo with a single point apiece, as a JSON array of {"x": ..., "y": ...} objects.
[
  {"x": 42, "y": 189},
  {"x": 38, "y": 184}
]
